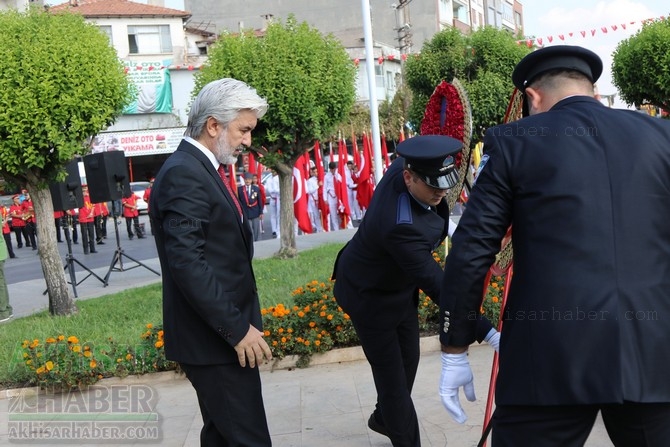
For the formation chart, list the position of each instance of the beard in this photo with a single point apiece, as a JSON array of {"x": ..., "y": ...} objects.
[{"x": 224, "y": 152}]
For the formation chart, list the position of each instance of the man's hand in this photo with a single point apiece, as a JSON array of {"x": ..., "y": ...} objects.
[
  {"x": 456, "y": 372},
  {"x": 252, "y": 347},
  {"x": 493, "y": 338}
]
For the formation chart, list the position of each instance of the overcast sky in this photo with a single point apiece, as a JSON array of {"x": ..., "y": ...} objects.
[{"x": 542, "y": 20}]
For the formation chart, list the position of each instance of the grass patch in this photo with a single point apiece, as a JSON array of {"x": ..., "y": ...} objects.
[{"x": 123, "y": 316}]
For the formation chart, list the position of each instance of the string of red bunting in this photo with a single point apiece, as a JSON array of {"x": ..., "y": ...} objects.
[
  {"x": 162, "y": 67},
  {"x": 603, "y": 29}
]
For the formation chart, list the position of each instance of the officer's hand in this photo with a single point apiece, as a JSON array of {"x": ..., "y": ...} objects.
[
  {"x": 493, "y": 338},
  {"x": 456, "y": 373},
  {"x": 252, "y": 348}
]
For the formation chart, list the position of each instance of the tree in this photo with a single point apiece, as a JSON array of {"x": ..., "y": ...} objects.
[
  {"x": 483, "y": 61},
  {"x": 308, "y": 80},
  {"x": 640, "y": 66},
  {"x": 61, "y": 83}
]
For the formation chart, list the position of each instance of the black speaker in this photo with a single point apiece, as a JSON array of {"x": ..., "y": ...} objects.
[
  {"x": 67, "y": 195},
  {"x": 107, "y": 176}
]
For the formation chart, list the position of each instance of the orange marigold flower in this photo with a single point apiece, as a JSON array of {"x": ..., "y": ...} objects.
[
  {"x": 61, "y": 337},
  {"x": 87, "y": 354},
  {"x": 274, "y": 343},
  {"x": 322, "y": 314},
  {"x": 317, "y": 342},
  {"x": 280, "y": 330},
  {"x": 76, "y": 348},
  {"x": 93, "y": 364},
  {"x": 40, "y": 370},
  {"x": 301, "y": 314},
  {"x": 159, "y": 344},
  {"x": 306, "y": 342},
  {"x": 346, "y": 317},
  {"x": 72, "y": 339},
  {"x": 266, "y": 333},
  {"x": 283, "y": 339},
  {"x": 312, "y": 324},
  {"x": 50, "y": 340},
  {"x": 49, "y": 365},
  {"x": 129, "y": 356},
  {"x": 329, "y": 317},
  {"x": 494, "y": 299},
  {"x": 295, "y": 308},
  {"x": 149, "y": 325},
  {"x": 289, "y": 330}
]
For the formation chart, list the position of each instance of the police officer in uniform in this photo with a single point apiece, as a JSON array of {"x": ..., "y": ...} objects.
[{"x": 380, "y": 271}]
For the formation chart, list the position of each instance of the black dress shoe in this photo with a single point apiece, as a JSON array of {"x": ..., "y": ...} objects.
[
  {"x": 374, "y": 425},
  {"x": 100, "y": 243},
  {"x": 94, "y": 251}
]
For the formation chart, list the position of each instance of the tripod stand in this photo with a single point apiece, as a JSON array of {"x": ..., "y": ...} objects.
[
  {"x": 70, "y": 260},
  {"x": 119, "y": 255}
]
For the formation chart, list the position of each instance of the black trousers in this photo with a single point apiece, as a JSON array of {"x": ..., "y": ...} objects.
[
  {"x": 8, "y": 243},
  {"x": 393, "y": 354},
  {"x": 87, "y": 237},
  {"x": 628, "y": 425},
  {"x": 231, "y": 403},
  {"x": 21, "y": 231},
  {"x": 31, "y": 230}
]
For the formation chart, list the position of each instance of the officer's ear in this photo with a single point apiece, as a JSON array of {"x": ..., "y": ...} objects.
[{"x": 408, "y": 177}]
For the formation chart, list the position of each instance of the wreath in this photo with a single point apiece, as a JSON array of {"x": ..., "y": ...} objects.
[{"x": 448, "y": 113}]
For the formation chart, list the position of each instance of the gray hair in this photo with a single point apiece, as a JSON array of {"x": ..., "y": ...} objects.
[{"x": 223, "y": 100}]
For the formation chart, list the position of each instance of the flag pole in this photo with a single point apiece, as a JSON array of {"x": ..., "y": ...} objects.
[{"x": 372, "y": 90}]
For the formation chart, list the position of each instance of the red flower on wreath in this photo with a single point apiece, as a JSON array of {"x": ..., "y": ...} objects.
[{"x": 444, "y": 115}]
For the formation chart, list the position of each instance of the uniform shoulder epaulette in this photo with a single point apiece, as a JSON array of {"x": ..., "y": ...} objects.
[{"x": 404, "y": 212}]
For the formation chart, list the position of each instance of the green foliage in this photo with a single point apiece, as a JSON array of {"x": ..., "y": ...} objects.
[
  {"x": 307, "y": 78},
  {"x": 640, "y": 66},
  {"x": 313, "y": 323},
  {"x": 60, "y": 363},
  {"x": 61, "y": 83},
  {"x": 483, "y": 61},
  {"x": 146, "y": 357}
]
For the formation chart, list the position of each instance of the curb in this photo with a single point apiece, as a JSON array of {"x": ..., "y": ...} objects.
[{"x": 341, "y": 355}]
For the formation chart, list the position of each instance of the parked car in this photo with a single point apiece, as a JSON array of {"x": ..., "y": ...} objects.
[{"x": 138, "y": 189}]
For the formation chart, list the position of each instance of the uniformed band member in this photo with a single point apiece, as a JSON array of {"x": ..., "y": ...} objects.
[
  {"x": 249, "y": 196},
  {"x": 586, "y": 189},
  {"x": 380, "y": 271}
]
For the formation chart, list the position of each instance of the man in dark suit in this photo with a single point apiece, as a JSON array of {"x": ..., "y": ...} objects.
[
  {"x": 250, "y": 198},
  {"x": 586, "y": 189},
  {"x": 211, "y": 313},
  {"x": 380, "y": 271}
]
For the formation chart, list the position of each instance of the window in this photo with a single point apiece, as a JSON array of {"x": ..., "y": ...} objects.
[
  {"x": 390, "y": 80},
  {"x": 107, "y": 29},
  {"x": 149, "y": 39},
  {"x": 379, "y": 75}
]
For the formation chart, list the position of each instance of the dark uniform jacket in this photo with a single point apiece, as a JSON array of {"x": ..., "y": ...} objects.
[
  {"x": 388, "y": 259},
  {"x": 587, "y": 192},
  {"x": 205, "y": 251},
  {"x": 251, "y": 203}
]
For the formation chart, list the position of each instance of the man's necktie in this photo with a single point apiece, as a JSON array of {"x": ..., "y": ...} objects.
[{"x": 222, "y": 174}]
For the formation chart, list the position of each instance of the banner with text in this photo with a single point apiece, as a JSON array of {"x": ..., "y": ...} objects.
[
  {"x": 153, "y": 91},
  {"x": 139, "y": 142}
]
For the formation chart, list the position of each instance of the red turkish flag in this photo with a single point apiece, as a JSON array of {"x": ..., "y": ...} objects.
[
  {"x": 385, "y": 153},
  {"x": 252, "y": 163},
  {"x": 320, "y": 174},
  {"x": 341, "y": 186},
  {"x": 365, "y": 179},
  {"x": 300, "y": 196},
  {"x": 401, "y": 138},
  {"x": 232, "y": 179},
  {"x": 356, "y": 154}
]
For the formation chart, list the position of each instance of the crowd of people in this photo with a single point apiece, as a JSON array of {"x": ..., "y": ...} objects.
[
  {"x": 89, "y": 220},
  {"x": 585, "y": 324}
]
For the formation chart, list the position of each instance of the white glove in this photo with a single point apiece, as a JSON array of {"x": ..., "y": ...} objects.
[
  {"x": 456, "y": 372},
  {"x": 493, "y": 338}
]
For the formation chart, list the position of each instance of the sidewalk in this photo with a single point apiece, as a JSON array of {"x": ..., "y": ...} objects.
[{"x": 323, "y": 405}]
